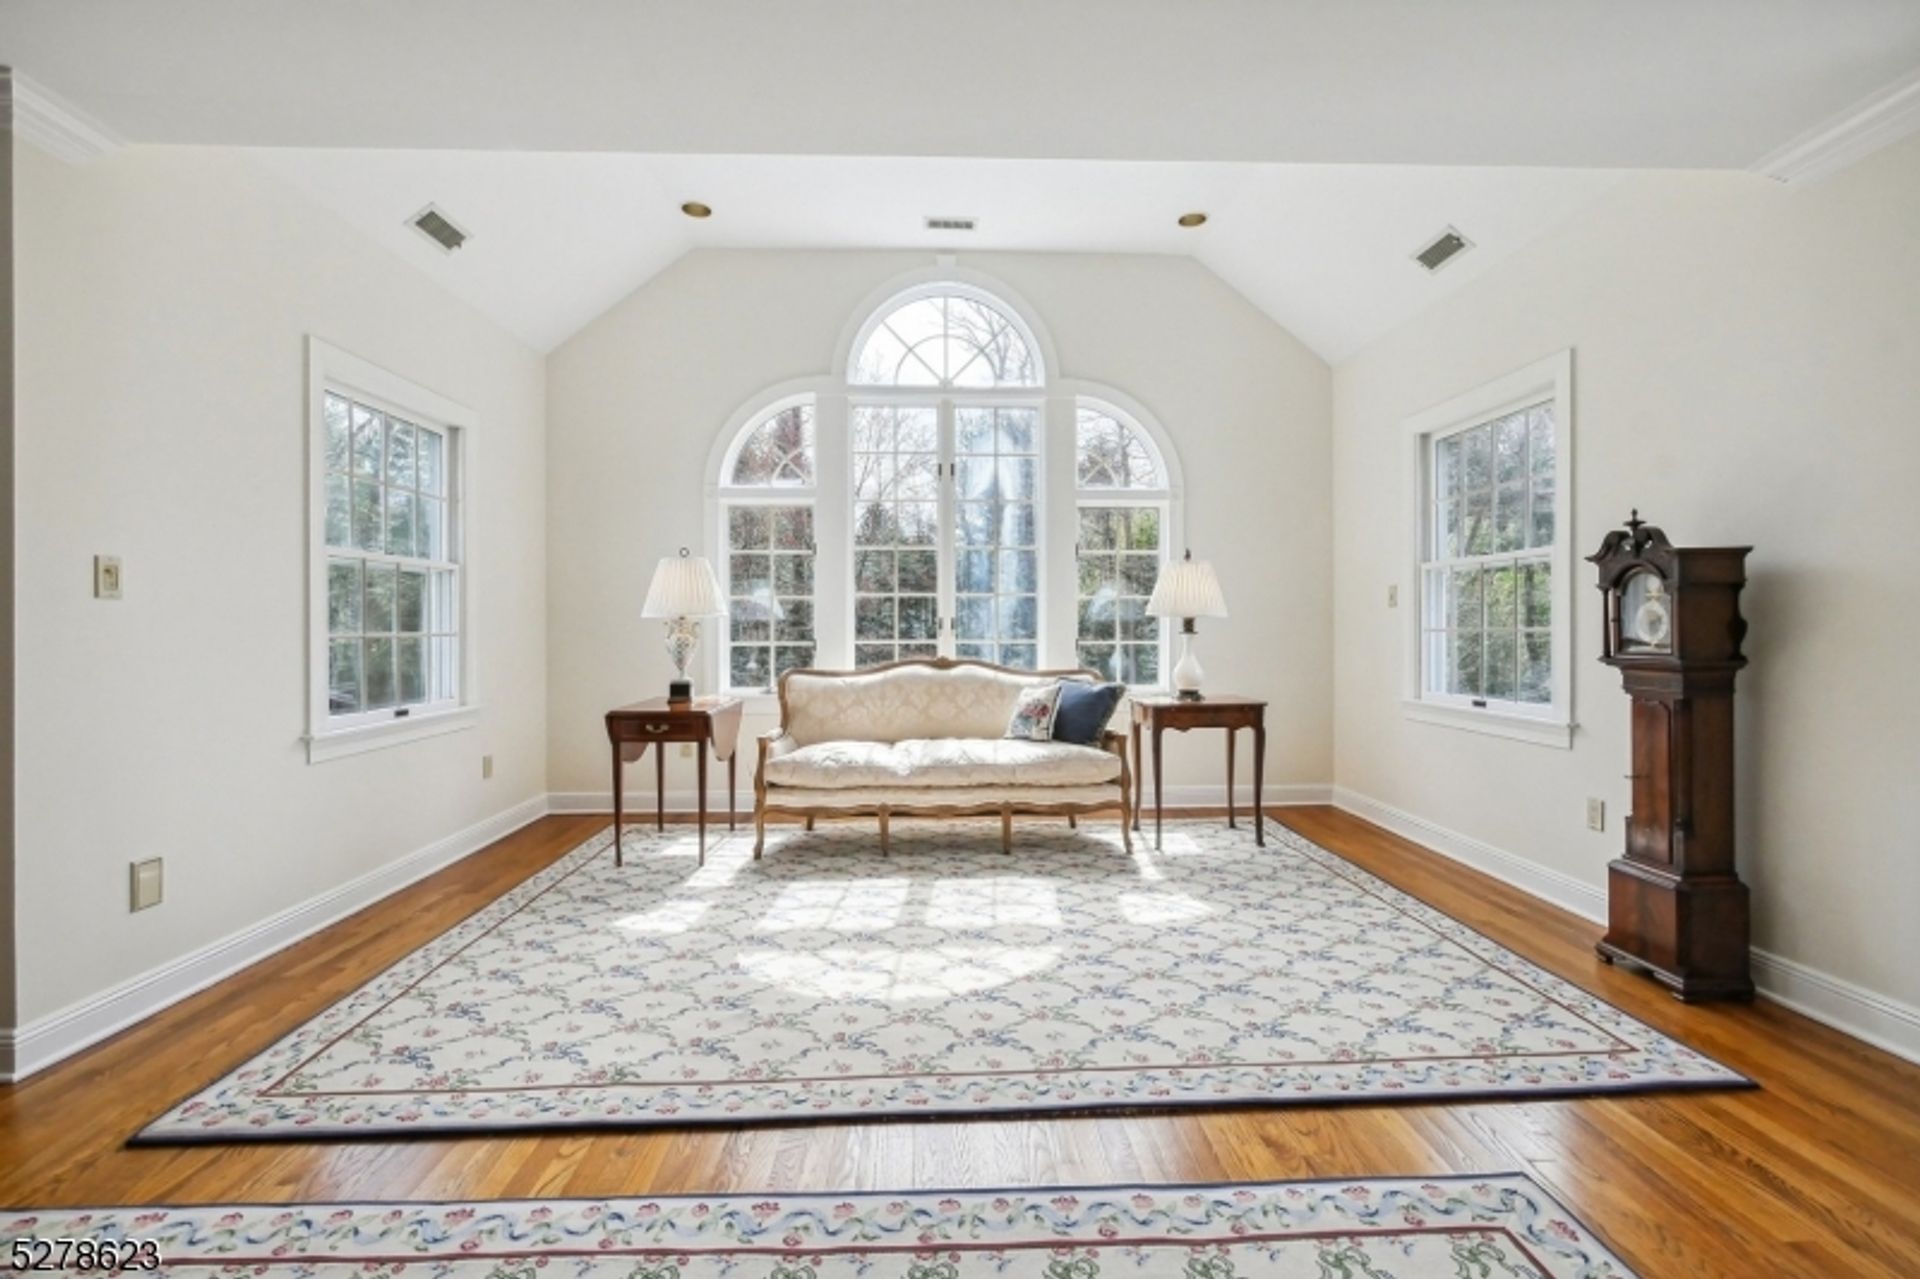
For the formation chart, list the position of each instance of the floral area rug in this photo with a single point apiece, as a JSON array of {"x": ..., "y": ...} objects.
[
  {"x": 831, "y": 981},
  {"x": 1438, "y": 1228}
]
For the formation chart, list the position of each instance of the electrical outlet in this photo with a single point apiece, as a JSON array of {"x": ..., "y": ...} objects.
[
  {"x": 145, "y": 878},
  {"x": 1596, "y": 814},
  {"x": 106, "y": 577},
  {"x": 486, "y": 767},
  {"x": 686, "y": 750},
  {"x": 1393, "y": 595}
]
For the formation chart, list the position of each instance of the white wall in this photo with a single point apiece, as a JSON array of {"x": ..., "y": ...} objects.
[
  {"x": 7, "y": 842},
  {"x": 1746, "y": 369},
  {"x": 636, "y": 400},
  {"x": 165, "y": 296}
]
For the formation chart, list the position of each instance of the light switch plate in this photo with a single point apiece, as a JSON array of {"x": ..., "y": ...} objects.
[
  {"x": 106, "y": 577},
  {"x": 1393, "y": 595},
  {"x": 146, "y": 883},
  {"x": 1596, "y": 814}
]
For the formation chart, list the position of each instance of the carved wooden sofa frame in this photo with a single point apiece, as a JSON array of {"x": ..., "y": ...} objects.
[{"x": 1113, "y": 742}]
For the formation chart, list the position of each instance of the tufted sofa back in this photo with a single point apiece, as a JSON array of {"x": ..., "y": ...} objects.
[{"x": 928, "y": 698}]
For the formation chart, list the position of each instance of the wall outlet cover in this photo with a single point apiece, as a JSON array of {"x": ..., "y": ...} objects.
[
  {"x": 1393, "y": 595},
  {"x": 1596, "y": 814},
  {"x": 486, "y": 767},
  {"x": 147, "y": 885},
  {"x": 106, "y": 577}
]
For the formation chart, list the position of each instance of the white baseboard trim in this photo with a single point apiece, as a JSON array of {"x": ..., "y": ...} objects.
[
  {"x": 59, "y": 1035},
  {"x": 1564, "y": 891},
  {"x": 640, "y": 803},
  {"x": 1867, "y": 1015}
]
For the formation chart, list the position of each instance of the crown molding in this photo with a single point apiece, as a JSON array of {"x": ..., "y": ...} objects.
[
  {"x": 57, "y": 127},
  {"x": 1878, "y": 120}
]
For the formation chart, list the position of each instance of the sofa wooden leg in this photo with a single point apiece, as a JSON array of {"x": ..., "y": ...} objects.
[
  {"x": 1126, "y": 832},
  {"x": 1073, "y": 821},
  {"x": 809, "y": 823},
  {"x": 759, "y": 831},
  {"x": 1006, "y": 828},
  {"x": 886, "y": 842}
]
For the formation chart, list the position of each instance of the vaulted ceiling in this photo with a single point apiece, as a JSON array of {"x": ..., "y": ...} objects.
[{"x": 1326, "y": 140}]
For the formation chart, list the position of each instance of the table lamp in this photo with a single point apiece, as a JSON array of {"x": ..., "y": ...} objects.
[
  {"x": 1186, "y": 590},
  {"x": 684, "y": 590}
]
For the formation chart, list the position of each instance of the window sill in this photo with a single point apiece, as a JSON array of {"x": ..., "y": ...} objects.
[
  {"x": 373, "y": 737},
  {"x": 1519, "y": 728}
]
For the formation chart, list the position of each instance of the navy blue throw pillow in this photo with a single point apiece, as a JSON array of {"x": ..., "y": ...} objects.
[{"x": 1084, "y": 710}]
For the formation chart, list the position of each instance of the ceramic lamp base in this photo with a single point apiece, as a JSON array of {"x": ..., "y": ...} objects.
[
  {"x": 683, "y": 636},
  {"x": 1188, "y": 675}
]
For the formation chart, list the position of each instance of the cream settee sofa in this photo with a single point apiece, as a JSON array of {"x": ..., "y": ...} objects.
[{"x": 925, "y": 738}]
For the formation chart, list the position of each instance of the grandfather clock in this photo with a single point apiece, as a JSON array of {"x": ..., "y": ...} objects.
[{"x": 1675, "y": 905}]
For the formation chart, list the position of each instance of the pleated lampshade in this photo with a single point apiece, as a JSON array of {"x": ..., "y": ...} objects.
[
  {"x": 684, "y": 586},
  {"x": 1187, "y": 588}
]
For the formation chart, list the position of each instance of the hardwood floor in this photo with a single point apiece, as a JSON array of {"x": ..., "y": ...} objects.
[{"x": 1816, "y": 1173}]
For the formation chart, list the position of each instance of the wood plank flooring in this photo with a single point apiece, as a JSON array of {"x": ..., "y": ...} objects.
[{"x": 1816, "y": 1173}]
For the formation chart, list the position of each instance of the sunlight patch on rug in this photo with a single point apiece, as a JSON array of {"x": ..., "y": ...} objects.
[{"x": 829, "y": 980}]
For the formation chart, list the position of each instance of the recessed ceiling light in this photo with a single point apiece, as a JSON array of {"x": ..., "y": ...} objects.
[
  {"x": 695, "y": 209},
  {"x": 1193, "y": 219}
]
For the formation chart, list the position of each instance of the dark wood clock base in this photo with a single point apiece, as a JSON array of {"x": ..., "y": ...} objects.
[{"x": 1689, "y": 934}]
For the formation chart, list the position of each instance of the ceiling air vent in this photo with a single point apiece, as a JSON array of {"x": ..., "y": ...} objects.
[
  {"x": 1450, "y": 245},
  {"x": 439, "y": 228},
  {"x": 951, "y": 224}
]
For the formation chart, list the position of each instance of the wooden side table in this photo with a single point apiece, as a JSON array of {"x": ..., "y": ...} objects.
[
  {"x": 1158, "y": 714},
  {"x": 712, "y": 722}
]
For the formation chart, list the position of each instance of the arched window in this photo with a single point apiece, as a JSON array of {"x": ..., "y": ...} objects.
[
  {"x": 946, "y": 337},
  {"x": 1123, "y": 499},
  {"x": 767, "y": 509},
  {"x": 945, "y": 436}
]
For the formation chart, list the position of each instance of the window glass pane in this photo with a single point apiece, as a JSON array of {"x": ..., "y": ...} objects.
[
  {"x": 996, "y": 467},
  {"x": 791, "y": 657},
  {"x": 442, "y": 605},
  {"x": 918, "y": 617},
  {"x": 381, "y": 589},
  {"x": 1501, "y": 587},
  {"x": 945, "y": 340},
  {"x": 411, "y": 605},
  {"x": 1537, "y": 595},
  {"x": 369, "y": 517},
  {"x": 1113, "y": 455},
  {"x": 433, "y": 462},
  {"x": 795, "y": 622},
  {"x": 334, "y": 417},
  {"x": 1536, "y": 666},
  {"x": 430, "y": 532},
  {"x": 873, "y": 572},
  {"x": 1464, "y": 649},
  {"x": 369, "y": 432},
  {"x": 748, "y": 527},
  {"x": 410, "y": 654},
  {"x": 752, "y": 666},
  {"x": 793, "y": 574},
  {"x": 1476, "y": 491},
  {"x": 1501, "y": 664},
  {"x": 401, "y": 469},
  {"x": 343, "y": 677},
  {"x": 380, "y": 690},
  {"x": 1510, "y": 449},
  {"x": 343, "y": 597},
  {"x": 445, "y": 652},
  {"x": 339, "y": 511},
  {"x": 778, "y": 451},
  {"x": 1465, "y": 598},
  {"x": 399, "y": 522},
  {"x": 865, "y": 655},
  {"x": 793, "y": 528}
]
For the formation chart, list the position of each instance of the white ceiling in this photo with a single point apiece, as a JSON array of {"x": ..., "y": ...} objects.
[
  {"x": 1582, "y": 83},
  {"x": 1328, "y": 139},
  {"x": 557, "y": 238}
]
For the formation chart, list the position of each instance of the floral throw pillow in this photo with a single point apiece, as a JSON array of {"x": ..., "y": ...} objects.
[{"x": 1032, "y": 719}]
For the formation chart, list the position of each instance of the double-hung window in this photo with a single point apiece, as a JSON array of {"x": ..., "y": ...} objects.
[
  {"x": 388, "y": 610},
  {"x": 1491, "y": 642}
]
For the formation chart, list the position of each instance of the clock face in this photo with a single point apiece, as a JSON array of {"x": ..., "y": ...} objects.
[{"x": 1646, "y": 614}]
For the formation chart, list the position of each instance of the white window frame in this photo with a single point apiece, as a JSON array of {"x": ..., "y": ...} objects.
[
  {"x": 1551, "y": 723},
  {"x": 1164, "y": 499},
  {"x": 725, "y": 495},
  {"x": 331, "y": 737}
]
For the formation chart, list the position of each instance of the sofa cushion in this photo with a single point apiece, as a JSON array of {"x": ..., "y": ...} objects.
[
  {"x": 1083, "y": 711},
  {"x": 942, "y": 762}
]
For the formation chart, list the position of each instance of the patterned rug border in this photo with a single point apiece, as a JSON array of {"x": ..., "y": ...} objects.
[
  {"x": 1600, "y": 1259},
  {"x": 516, "y": 897}
]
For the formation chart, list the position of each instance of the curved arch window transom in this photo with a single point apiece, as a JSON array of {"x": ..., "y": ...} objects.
[
  {"x": 777, "y": 453},
  {"x": 947, "y": 339},
  {"x": 1112, "y": 454}
]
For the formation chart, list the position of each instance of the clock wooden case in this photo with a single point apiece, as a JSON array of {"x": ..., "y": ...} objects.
[{"x": 1675, "y": 905}]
